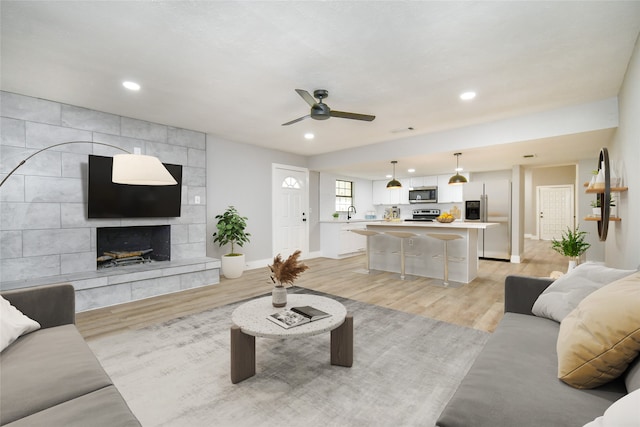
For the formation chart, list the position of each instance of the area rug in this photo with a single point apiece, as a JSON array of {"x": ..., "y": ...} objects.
[{"x": 405, "y": 370}]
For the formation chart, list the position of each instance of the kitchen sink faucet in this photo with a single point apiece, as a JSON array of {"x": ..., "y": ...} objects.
[{"x": 349, "y": 211}]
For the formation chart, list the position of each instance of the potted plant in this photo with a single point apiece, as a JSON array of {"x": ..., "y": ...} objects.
[
  {"x": 595, "y": 205},
  {"x": 231, "y": 229},
  {"x": 572, "y": 245},
  {"x": 284, "y": 273}
]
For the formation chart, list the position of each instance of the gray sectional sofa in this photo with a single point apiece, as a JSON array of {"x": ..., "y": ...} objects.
[
  {"x": 50, "y": 377},
  {"x": 513, "y": 382}
]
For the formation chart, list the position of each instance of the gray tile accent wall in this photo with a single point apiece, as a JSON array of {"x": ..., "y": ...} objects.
[{"x": 43, "y": 216}]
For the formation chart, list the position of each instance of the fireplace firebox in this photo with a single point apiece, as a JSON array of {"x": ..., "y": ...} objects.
[{"x": 120, "y": 246}]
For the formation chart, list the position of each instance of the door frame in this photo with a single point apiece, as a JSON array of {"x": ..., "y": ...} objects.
[
  {"x": 275, "y": 186},
  {"x": 573, "y": 205}
]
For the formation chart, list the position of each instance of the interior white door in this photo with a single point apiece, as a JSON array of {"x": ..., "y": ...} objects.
[
  {"x": 555, "y": 210},
  {"x": 290, "y": 210}
]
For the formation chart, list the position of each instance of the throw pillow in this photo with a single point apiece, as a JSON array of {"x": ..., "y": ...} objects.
[
  {"x": 13, "y": 324},
  {"x": 601, "y": 337},
  {"x": 622, "y": 413},
  {"x": 564, "y": 294}
]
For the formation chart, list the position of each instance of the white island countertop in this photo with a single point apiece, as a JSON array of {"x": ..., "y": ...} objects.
[
  {"x": 422, "y": 248},
  {"x": 435, "y": 224}
]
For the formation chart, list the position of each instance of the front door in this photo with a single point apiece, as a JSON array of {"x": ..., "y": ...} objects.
[
  {"x": 555, "y": 211},
  {"x": 290, "y": 210}
]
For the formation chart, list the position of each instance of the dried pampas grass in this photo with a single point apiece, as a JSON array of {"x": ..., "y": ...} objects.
[{"x": 286, "y": 272}]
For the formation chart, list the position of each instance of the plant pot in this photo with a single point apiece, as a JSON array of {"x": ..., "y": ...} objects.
[
  {"x": 232, "y": 265},
  {"x": 279, "y": 296},
  {"x": 572, "y": 265},
  {"x": 595, "y": 211}
]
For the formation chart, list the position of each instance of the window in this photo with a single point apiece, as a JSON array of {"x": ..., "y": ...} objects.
[
  {"x": 290, "y": 182},
  {"x": 344, "y": 195}
]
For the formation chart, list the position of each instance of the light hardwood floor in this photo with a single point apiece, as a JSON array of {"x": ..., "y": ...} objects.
[{"x": 478, "y": 304}]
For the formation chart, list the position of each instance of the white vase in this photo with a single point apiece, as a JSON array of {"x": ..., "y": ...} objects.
[
  {"x": 279, "y": 296},
  {"x": 572, "y": 265},
  {"x": 232, "y": 266},
  {"x": 596, "y": 211}
]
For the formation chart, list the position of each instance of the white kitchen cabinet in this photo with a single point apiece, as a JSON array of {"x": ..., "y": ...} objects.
[
  {"x": 396, "y": 196},
  {"x": 380, "y": 194},
  {"x": 337, "y": 241},
  {"x": 424, "y": 181},
  {"x": 417, "y": 181},
  {"x": 449, "y": 193}
]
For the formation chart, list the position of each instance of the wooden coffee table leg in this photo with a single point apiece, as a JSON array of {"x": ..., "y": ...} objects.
[
  {"x": 342, "y": 343},
  {"x": 243, "y": 355}
]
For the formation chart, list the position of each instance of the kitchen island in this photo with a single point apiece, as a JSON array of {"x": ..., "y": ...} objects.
[{"x": 421, "y": 250}]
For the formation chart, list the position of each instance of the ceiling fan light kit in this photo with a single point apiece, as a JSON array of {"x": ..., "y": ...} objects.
[
  {"x": 457, "y": 179},
  {"x": 394, "y": 183},
  {"x": 321, "y": 111}
]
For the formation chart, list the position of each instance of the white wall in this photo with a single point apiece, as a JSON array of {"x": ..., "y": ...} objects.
[
  {"x": 240, "y": 175},
  {"x": 623, "y": 242}
]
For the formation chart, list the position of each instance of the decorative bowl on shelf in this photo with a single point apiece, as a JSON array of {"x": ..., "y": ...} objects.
[{"x": 445, "y": 219}]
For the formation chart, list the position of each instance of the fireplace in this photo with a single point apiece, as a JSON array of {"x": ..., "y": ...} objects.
[{"x": 121, "y": 246}]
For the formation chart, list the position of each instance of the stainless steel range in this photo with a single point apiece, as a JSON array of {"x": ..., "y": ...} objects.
[{"x": 424, "y": 215}]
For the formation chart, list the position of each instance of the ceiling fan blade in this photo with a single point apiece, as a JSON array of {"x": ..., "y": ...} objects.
[
  {"x": 296, "y": 120},
  {"x": 307, "y": 97},
  {"x": 354, "y": 116}
]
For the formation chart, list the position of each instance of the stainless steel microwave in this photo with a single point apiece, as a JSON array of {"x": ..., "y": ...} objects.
[{"x": 423, "y": 195}]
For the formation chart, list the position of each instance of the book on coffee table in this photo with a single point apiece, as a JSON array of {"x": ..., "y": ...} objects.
[{"x": 296, "y": 316}]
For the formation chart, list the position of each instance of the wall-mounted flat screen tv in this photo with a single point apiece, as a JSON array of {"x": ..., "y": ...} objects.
[{"x": 110, "y": 200}]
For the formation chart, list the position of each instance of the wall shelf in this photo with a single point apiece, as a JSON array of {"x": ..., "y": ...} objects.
[
  {"x": 597, "y": 218},
  {"x": 601, "y": 190},
  {"x": 604, "y": 196}
]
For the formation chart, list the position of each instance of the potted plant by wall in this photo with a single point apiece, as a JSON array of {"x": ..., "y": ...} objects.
[
  {"x": 284, "y": 273},
  {"x": 231, "y": 230},
  {"x": 595, "y": 204},
  {"x": 572, "y": 245}
]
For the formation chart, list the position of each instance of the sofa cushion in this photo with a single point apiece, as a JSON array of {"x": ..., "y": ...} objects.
[
  {"x": 13, "y": 324},
  {"x": 45, "y": 368},
  {"x": 564, "y": 295},
  {"x": 632, "y": 376},
  {"x": 601, "y": 337},
  {"x": 513, "y": 382},
  {"x": 623, "y": 413},
  {"x": 101, "y": 408}
]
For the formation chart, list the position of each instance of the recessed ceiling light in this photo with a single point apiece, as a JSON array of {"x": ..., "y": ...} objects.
[
  {"x": 466, "y": 96},
  {"x": 388, "y": 176},
  {"x": 411, "y": 170},
  {"x": 131, "y": 85},
  {"x": 400, "y": 130},
  {"x": 309, "y": 135}
]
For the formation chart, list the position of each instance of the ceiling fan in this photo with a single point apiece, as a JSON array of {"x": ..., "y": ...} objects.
[{"x": 321, "y": 111}]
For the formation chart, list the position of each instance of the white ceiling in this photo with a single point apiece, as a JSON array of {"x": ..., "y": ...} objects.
[{"x": 230, "y": 68}]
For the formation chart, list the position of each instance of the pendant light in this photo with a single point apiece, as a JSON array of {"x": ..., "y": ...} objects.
[
  {"x": 457, "y": 179},
  {"x": 394, "y": 183}
]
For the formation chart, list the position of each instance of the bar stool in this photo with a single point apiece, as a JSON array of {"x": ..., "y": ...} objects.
[
  {"x": 445, "y": 238},
  {"x": 368, "y": 234},
  {"x": 402, "y": 235}
]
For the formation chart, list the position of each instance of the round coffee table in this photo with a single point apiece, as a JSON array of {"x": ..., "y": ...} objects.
[{"x": 250, "y": 321}]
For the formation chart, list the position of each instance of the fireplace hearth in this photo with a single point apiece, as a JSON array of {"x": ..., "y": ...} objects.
[{"x": 122, "y": 246}]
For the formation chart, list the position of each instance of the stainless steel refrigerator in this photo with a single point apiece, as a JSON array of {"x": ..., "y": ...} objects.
[{"x": 494, "y": 205}]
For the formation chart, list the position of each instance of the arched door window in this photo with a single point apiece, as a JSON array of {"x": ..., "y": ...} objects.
[{"x": 290, "y": 182}]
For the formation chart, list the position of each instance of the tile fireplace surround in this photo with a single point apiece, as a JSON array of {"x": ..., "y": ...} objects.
[{"x": 45, "y": 233}]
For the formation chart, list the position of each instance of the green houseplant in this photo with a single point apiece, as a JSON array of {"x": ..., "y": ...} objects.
[
  {"x": 572, "y": 244},
  {"x": 231, "y": 230}
]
